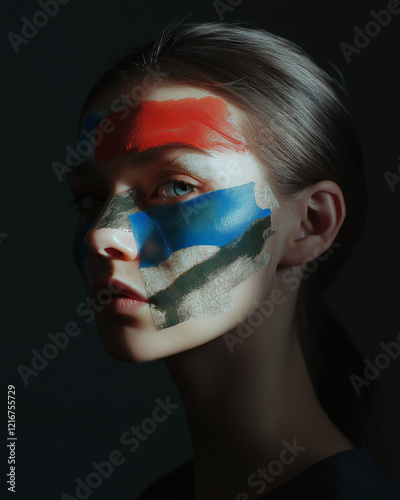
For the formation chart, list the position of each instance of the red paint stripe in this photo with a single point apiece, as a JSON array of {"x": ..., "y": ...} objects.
[{"x": 205, "y": 123}]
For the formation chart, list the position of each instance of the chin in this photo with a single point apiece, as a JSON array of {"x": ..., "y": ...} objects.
[
  {"x": 138, "y": 344},
  {"x": 128, "y": 345}
]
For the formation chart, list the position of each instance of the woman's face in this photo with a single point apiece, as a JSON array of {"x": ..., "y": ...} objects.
[{"x": 178, "y": 233}]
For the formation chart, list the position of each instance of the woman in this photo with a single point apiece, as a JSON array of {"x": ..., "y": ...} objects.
[{"x": 220, "y": 191}]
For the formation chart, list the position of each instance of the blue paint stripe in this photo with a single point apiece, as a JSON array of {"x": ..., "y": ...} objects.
[
  {"x": 91, "y": 121},
  {"x": 89, "y": 126},
  {"x": 215, "y": 218}
]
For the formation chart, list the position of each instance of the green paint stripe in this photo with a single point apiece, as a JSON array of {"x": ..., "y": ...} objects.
[{"x": 249, "y": 244}]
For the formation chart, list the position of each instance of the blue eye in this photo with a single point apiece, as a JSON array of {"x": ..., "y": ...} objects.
[{"x": 173, "y": 188}]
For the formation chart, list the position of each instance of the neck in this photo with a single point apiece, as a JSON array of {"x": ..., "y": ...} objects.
[{"x": 248, "y": 401}]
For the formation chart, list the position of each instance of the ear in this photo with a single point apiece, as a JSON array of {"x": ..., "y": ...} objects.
[{"x": 317, "y": 214}]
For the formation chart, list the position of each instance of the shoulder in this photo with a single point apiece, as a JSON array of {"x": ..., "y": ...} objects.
[{"x": 348, "y": 475}]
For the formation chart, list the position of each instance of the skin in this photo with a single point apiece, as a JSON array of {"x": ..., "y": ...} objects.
[{"x": 240, "y": 405}]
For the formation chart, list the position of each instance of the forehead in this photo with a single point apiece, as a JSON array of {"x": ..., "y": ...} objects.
[
  {"x": 125, "y": 94},
  {"x": 172, "y": 117}
]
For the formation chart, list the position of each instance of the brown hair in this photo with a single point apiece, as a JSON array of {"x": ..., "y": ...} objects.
[{"x": 298, "y": 125}]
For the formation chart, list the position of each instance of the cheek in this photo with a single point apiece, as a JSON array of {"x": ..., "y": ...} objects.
[
  {"x": 195, "y": 257},
  {"x": 213, "y": 251}
]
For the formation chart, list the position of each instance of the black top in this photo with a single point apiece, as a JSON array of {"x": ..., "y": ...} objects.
[{"x": 347, "y": 475}]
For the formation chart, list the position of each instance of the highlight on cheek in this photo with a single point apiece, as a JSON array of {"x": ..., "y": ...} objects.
[
  {"x": 203, "y": 288},
  {"x": 205, "y": 123},
  {"x": 193, "y": 253},
  {"x": 164, "y": 229},
  {"x": 196, "y": 280}
]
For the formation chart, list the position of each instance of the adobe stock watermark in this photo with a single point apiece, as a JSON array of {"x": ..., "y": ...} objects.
[
  {"x": 93, "y": 138},
  {"x": 392, "y": 178},
  {"x": 60, "y": 340},
  {"x": 363, "y": 37},
  {"x": 373, "y": 369},
  {"x": 294, "y": 276},
  {"x": 30, "y": 28},
  {"x": 131, "y": 440},
  {"x": 267, "y": 475},
  {"x": 221, "y": 7}
]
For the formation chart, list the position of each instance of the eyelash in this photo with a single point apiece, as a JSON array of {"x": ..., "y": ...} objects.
[
  {"x": 75, "y": 201},
  {"x": 174, "y": 181}
]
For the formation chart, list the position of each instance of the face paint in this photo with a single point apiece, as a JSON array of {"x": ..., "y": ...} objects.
[
  {"x": 192, "y": 253},
  {"x": 204, "y": 289},
  {"x": 116, "y": 214},
  {"x": 205, "y": 123},
  {"x": 190, "y": 265},
  {"x": 164, "y": 229}
]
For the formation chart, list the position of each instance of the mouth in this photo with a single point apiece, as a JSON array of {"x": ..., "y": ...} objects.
[{"x": 124, "y": 299}]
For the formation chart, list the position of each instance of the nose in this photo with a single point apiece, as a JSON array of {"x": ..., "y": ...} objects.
[{"x": 112, "y": 243}]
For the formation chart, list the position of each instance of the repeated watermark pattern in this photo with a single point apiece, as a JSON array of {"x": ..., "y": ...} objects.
[
  {"x": 150, "y": 81},
  {"x": 221, "y": 7},
  {"x": 60, "y": 340},
  {"x": 373, "y": 369},
  {"x": 294, "y": 276},
  {"x": 362, "y": 37},
  {"x": 40, "y": 19},
  {"x": 266, "y": 475},
  {"x": 131, "y": 440}
]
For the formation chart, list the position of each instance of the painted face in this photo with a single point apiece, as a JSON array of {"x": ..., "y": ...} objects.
[
  {"x": 205, "y": 123},
  {"x": 192, "y": 248}
]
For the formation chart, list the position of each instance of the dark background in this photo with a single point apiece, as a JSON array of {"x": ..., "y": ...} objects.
[{"x": 76, "y": 409}]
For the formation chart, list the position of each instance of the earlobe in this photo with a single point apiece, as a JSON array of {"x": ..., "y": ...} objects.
[{"x": 318, "y": 213}]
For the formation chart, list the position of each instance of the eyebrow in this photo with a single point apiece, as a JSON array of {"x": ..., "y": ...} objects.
[{"x": 86, "y": 168}]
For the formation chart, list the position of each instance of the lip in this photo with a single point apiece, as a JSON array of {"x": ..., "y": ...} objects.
[{"x": 124, "y": 299}]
